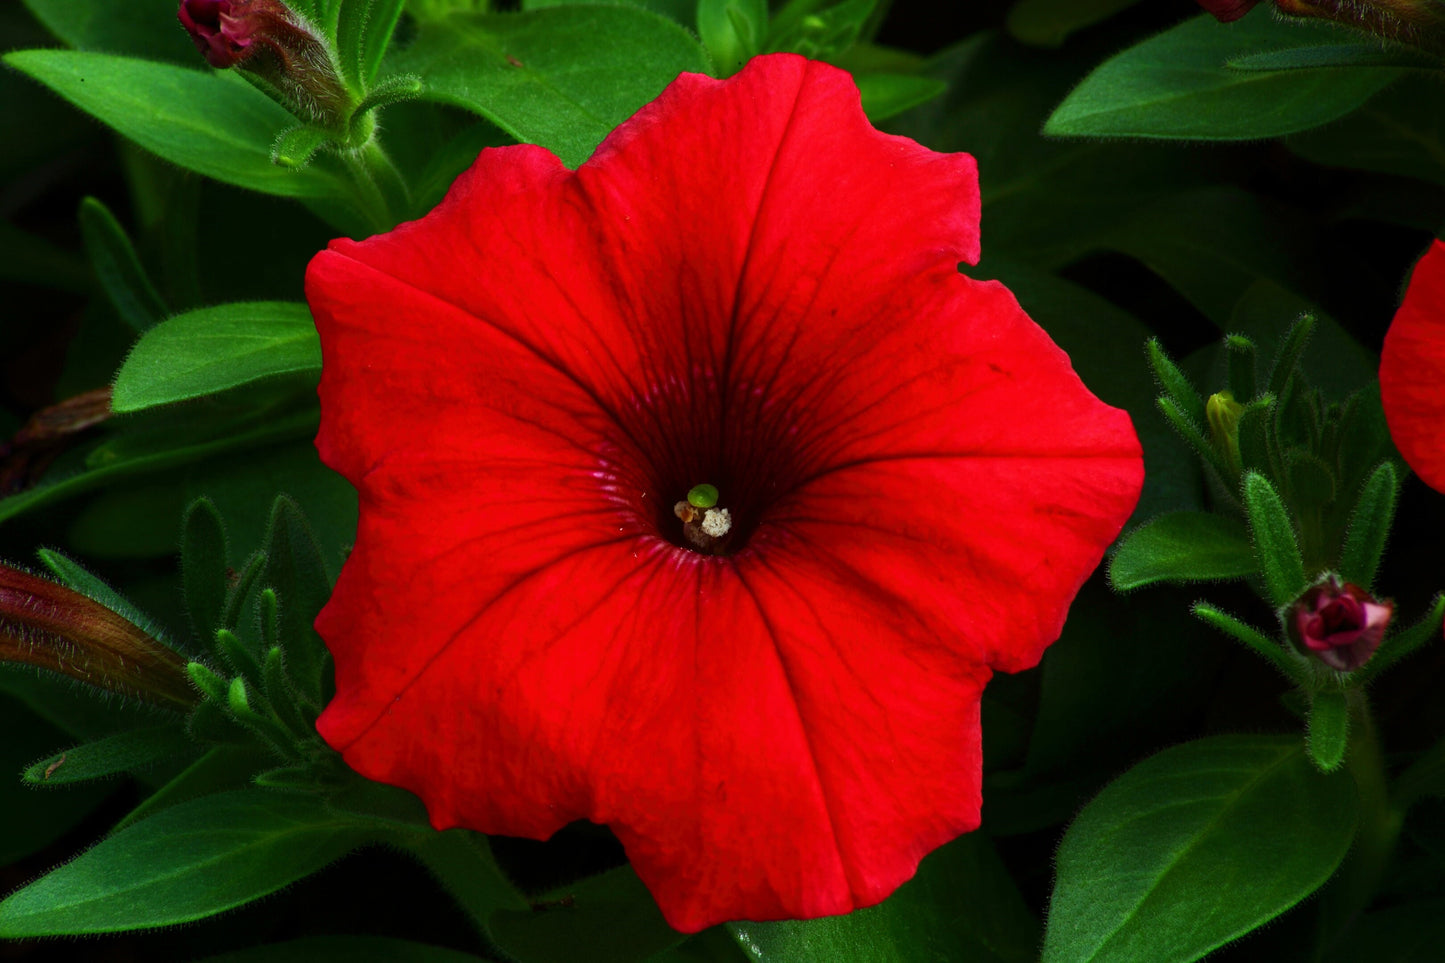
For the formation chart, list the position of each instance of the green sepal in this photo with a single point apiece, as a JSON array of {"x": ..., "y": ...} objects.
[
  {"x": 1241, "y": 355},
  {"x": 294, "y": 568},
  {"x": 282, "y": 695},
  {"x": 1275, "y": 544},
  {"x": 1370, "y": 527},
  {"x": 237, "y": 655},
  {"x": 203, "y": 568},
  {"x": 241, "y": 588},
  {"x": 118, "y": 267},
  {"x": 1311, "y": 483},
  {"x": 393, "y": 90},
  {"x": 114, "y": 755},
  {"x": 1287, "y": 358},
  {"x": 295, "y": 146},
  {"x": 1328, "y": 733},
  {"x": 1255, "y": 451},
  {"x": 363, "y": 31},
  {"x": 269, "y": 616},
  {"x": 1254, "y": 639},
  {"x": 1175, "y": 383},
  {"x": 210, "y": 723},
  {"x": 1191, "y": 433},
  {"x": 73, "y": 575},
  {"x": 1402, "y": 644},
  {"x": 262, "y": 723},
  {"x": 211, "y": 685},
  {"x": 820, "y": 34}
]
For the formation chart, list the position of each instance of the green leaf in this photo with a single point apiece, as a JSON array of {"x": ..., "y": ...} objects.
[
  {"x": 208, "y": 350},
  {"x": 344, "y": 949},
  {"x": 1274, "y": 540},
  {"x": 561, "y": 77},
  {"x": 120, "y": 28},
  {"x": 732, "y": 31},
  {"x": 1400, "y": 132},
  {"x": 118, "y": 267},
  {"x": 213, "y": 123},
  {"x": 204, "y": 557},
  {"x": 887, "y": 94},
  {"x": 363, "y": 30},
  {"x": 294, "y": 568},
  {"x": 1182, "y": 547},
  {"x": 121, "y": 753},
  {"x": 227, "y": 767},
  {"x": 1194, "y": 847},
  {"x": 1334, "y": 55},
  {"x": 610, "y": 918},
  {"x": 1176, "y": 85},
  {"x": 1406, "y": 643},
  {"x": 187, "y": 862},
  {"x": 1370, "y": 527},
  {"x": 1287, "y": 359},
  {"x": 821, "y": 34},
  {"x": 1048, "y": 23},
  {"x": 1175, "y": 383},
  {"x": 33, "y": 820},
  {"x": 76, "y": 576},
  {"x": 962, "y": 905},
  {"x": 1328, "y": 733}
]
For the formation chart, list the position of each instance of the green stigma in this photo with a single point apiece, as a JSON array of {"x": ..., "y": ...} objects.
[{"x": 702, "y": 496}]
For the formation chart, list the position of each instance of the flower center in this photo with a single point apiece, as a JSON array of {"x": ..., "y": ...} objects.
[{"x": 705, "y": 526}]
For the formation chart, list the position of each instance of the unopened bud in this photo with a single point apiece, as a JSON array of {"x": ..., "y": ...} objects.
[
  {"x": 274, "y": 42},
  {"x": 1223, "y": 412},
  {"x": 1339, "y": 623},
  {"x": 55, "y": 628}
]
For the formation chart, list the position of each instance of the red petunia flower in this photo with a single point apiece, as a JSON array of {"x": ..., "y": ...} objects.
[
  {"x": 1412, "y": 371},
  {"x": 1228, "y": 10},
  {"x": 746, "y": 287}
]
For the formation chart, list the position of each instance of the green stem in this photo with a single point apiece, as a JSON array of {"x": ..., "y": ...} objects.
[
  {"x": 462, "y": 862},
  {"x": 1355, "y": 885},
  {"x": 385, "y": 197}
]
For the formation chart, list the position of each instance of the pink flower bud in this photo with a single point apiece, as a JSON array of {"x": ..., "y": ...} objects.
[
  {"x": 1227, "y": 10},
  {"x": 55, "y": 628},
  {"x": 1342, "y": 624},
  {"x": 274, "y": 42}
]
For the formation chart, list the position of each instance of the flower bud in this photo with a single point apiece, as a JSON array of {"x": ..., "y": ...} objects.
[
  {"x": 1340, "y": 623},
  {"x": 52, "y": 627},
  {"x": 1227, "y": 10},
  {"x": 1223, "y": 412},
  {"x": 274, "y": 42},
  {"x": 1418, "y": 23}
]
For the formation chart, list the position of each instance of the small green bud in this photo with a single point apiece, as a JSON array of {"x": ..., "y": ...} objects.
[
  {"x": 702, "y": 496},
  {"x": 1223, "y": 412}
]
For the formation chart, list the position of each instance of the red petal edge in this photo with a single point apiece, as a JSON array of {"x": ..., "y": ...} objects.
[
  {"x": 781, "y": 732},
  {"x": 1412, "y": 371}
]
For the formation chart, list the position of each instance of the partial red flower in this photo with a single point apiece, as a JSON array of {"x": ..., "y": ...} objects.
[
  {"x": 1340, "y": 623},
  {"x": 747, "y": 287},
  {"x": 1412, "y": 371}
]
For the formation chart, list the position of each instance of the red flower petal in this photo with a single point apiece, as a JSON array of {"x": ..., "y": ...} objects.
[
  {"x": 747, "y": 286},
  {"x": 1412, "y": 371}
]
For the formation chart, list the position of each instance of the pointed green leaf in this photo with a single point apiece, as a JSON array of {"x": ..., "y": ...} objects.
[
  {"x": 212, "y": 349},
  {"x": 185, "y": 863},
  {"x": 823, "y": 33},
  {"x": 1242, "y": 361},
  {"x": 295, "y": 146},
  {"x": 210, "y": 122},
  {"x": 1262, "y": 644},
  {"x": 1182, "y": 547},
  {"x": 203, "y": 568},
  {"x": 1328, "y": 734},
  {"x": 1175, "y": 383},
  {"x": 1370, "y": 527},
  {"x": 294, "y": 568},
  {"x": 363, "y": 30},
  {"x": 1194, "y": 847},
  {"x": 561, "y": 77},
  {"x": 887, "y": 94},
  {"x": 114, "y": 755},
  {"x": 1177, "y": 85},
  {"x": 962, "y": 905},
  {"x": 119, "y": 269},
  {"x": 1275, "y": 544}
]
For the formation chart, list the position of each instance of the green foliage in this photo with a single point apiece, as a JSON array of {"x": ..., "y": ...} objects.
[
  {"x": 121, "y": 753},
  {"x": 190, "y": 861},
  {"x": 118, "y": 267},
  {"x": 732, "y": 31},
  {"x": 559, "y": 77},
  {"x": 210, "y": 350},
  {"x": 1182, "y": 547},
  {"x": 1275, "y": 545},
  {"x": 1194, "y": 847},
  {"x": 961, "y": 906},
  {"x": 1180, "y": 85},
  {"x": 1370, "y": 527},
  {"x": 1328, "y": 732}
]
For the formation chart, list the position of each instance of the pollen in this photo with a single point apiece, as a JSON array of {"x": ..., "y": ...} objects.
[{"x": 717, "y": 522}]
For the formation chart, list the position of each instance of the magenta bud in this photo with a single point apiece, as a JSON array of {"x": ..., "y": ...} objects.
[
  {"x": 58, "y": 629},
  {"x": 1339, "y": 623},
  {"x": 1227, "y": 10},
  {"x": 274, "y": 42}
]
